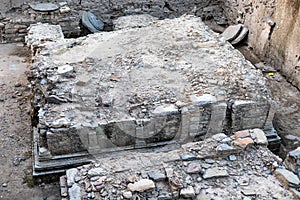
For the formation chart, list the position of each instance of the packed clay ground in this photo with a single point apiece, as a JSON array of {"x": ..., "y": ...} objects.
[{"x": 15, "y": 131}]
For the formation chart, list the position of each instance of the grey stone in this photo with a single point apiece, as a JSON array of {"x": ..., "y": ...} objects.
[
  {"x": 141, "y": 185},
  {"x": 232, "y": 157},
  {"x": 97, "y": 172},
  {"x": 71, "y": 174},
  {"x": 44, "y": 7},
  {"x": 288, "y": 177},
  {"x": 187, "y": 157},
  {"x": 232, "y": 32},
  {"x": 75, "y": 192},
  {"x": 219, "y": 137},
  {"x": 215, "y": 173},
  {"x": 242, "y": 35},
  {"x": 203, "y": 99},
  {"x": 224, "y": 147},
  {"x": 157, "y": 176},
  {"x": 97, "y": 23},
  {"x": 188, "y": 192}
]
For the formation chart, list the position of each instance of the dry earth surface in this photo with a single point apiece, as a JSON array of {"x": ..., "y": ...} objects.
[{"x": 15, "y": 130}]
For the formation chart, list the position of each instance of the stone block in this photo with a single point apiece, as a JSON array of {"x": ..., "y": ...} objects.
[{"x": 259, "y": 136}]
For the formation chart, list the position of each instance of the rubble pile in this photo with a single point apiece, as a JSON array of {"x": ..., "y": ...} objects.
[
  {"x": 171, "y": 82},
  {"x": 221, "y": 167}
]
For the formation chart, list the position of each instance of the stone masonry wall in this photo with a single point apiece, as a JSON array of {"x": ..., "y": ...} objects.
[{"x": 116, "y": 90}]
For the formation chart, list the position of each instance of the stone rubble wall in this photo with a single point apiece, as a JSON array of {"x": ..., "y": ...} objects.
[{"x": 13, "y": 26}]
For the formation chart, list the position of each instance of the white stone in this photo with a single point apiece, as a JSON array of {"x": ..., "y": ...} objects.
[
  {"x": 97, "y": 172},
  {"x": 188, "y": 192},
  {"x": 259, "y": 136},
  {"x": 215, "y": 173},
  {"x": 141, "y": 185},
  {"x": 127, "y": 195},
  {"x": 64, "y": 69}
]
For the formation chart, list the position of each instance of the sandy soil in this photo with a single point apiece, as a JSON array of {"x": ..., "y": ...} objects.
[{"x": 15, "y": 129}]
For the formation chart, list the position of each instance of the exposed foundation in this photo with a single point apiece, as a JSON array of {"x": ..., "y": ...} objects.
[{"x": 168, "y": 83}]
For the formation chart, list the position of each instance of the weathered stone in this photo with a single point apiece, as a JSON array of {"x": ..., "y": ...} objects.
[
  {"x": 188, "y": 192},
  {"x": 97, "y": 172},
  {"x": 75, "y": 192},
  {"x": 292, "y": 160},
  {"x": 157, "y": 176},
  {"x": 242, "y": 35},
  {"x": 249, "y": 192},
  {"x": 127, "y": 195},
  {"x": 219, "y": 137},
  {"x": 187, "y": 157},
  {"x": 224, "y": 148},
  {"x": 243, "y": 142},
  {"x": 242, "y": 134},
  {"x": 232, "y": 32},
  {"x": 44, "y": 7},
  {"x": 215, "y": 173},
  {"x": 287, "y": 177},
  {"x": 141, "y": 185},
  {"x": 71, "y": 173},
  {"x": 65, "y": 69},
  {"x": 232, "y": 157},
  {"x": 194, "y": 167},
  {"x": 259, "y": 137}
]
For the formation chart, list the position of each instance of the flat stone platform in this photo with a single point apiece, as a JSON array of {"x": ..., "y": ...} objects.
[{"x": 171, "y": 82}]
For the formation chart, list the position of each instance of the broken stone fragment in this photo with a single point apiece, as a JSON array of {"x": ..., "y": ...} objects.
[
  {"x": 224, "y": 148},
  {"x": 71, "y": 173},
  {"x": 75, "y": 192},
  {"x": 242, "y": 134},
  {"x": 259, "y": 136},
  {"x": 194, "y": 168},
  {"x": 249, "y": 192},
  {"x": 156, "y": 176},
  {"x": 141, "y": 186},
  {"x": 55, "y": 99},
  {"x": 65, "y": 69},
  {"x": 188, "y": 192},
  {"x": 243, "y": 142},
  {"x": 127, "y": 195},
  {"x": 219, "y": 137},
  {"x": 292, "y": 160},
  {"x": 287, "y": 177},
  {"x": 96, "y": 172},
  {"x": 215, "y": 173},
  {"x": 232, "y": 32},
  {"x": 187, "y": 157},
  {"x": 62, "y": 122}
]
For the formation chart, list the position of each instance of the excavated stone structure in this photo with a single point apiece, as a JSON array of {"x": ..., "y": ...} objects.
[
  {"x": 275, "y": 24},
  {"x": 168, "y": 83}
]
